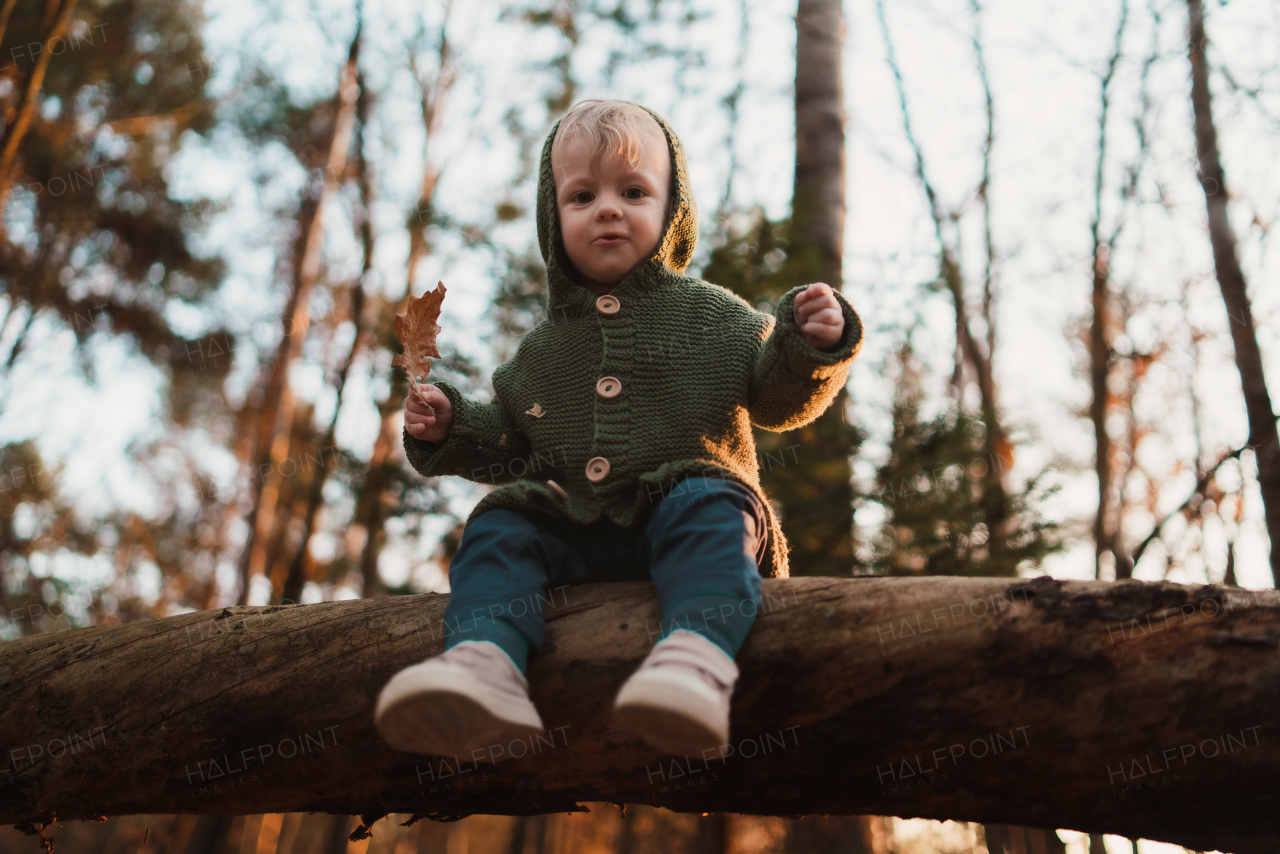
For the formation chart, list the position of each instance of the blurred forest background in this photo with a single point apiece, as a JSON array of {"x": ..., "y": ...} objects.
[{"x": 1055, "y": 223}]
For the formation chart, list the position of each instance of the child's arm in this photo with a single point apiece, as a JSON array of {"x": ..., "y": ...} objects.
[
  {"x": 478, "y": 441},
  {"x": 793, "y": 382}
]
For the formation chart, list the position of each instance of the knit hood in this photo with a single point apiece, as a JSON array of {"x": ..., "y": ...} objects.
[{"x": 679, "y": 238}]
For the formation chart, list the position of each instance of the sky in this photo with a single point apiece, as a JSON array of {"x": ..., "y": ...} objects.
[{"x": 1044, "y": 62}]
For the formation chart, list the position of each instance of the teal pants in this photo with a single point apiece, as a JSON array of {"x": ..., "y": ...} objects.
[{"x": 701, "y": 545}]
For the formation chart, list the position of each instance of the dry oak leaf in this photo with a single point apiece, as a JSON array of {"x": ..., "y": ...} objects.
[{"x": 417, "y": 329}]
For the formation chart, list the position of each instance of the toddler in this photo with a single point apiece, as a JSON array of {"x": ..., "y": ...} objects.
[{"x": 621, "y": 432}]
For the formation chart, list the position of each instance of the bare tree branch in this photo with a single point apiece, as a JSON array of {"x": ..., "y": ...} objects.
[
  {"x": 999, "y": 521},
  {"x": 1202, "y": 482},
  {"x": 1100, "y": 325}
]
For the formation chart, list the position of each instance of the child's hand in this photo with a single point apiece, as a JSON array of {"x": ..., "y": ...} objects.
[
  {"x": 819, "y": 316},
  {"x": 418, "y": 419}
]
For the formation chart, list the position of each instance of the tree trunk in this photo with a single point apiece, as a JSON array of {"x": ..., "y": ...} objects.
[
  {"x": 1004, "y": 839},
  {"x": 1099, "y": 372},
  {"x": 1263, "y": 437},
  {"x": 210, "y": 834},
  {"x": 885, "y": 696},
  {"x": 433, "y": 93},
  {"x": 296, "y": 578},
  {"x": 1101, "y": 328},
  {"x": 713, "y": 836},
  {"x": 830, "y": 835},
  {"x": 275, "y": 421},
  {"x": 999, "y": 451},
  {"x": 814, "y": 486},
  {"x": 370, "y": 514},
  {"x": 817, "y": 219},
  {"x": 997, "y": 448}
]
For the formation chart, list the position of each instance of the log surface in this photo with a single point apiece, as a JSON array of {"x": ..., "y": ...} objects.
[{"x": 1142, "y": 709}]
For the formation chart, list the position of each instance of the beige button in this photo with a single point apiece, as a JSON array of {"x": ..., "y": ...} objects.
[
  {"x": 558, "y": 490},
  {"x": 597, "y": 469},
  {"x": 609, "y": 387},
  {"x": 607, "y": 304}
]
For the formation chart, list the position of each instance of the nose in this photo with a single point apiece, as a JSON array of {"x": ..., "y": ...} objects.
[{"x": 608, "y": 208}]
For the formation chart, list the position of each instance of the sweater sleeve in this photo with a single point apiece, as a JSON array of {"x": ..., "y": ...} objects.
[
  {"x": 792, "y": 382},
  {"x": 482, "y": 442}
]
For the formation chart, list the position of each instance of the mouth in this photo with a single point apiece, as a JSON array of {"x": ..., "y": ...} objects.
[{"x": 610, "y": 239}]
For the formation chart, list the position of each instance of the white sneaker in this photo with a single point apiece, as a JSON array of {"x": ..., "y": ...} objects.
[
  {"x": 469, "y": 697},
  {"x": 678, "y": 701}
]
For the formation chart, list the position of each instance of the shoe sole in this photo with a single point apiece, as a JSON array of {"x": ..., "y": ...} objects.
[
  {"x": 670, "y": 713},
  {"x": 444, "y": 710}
]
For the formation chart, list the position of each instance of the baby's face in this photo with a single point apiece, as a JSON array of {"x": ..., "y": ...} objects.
[{"x": 611, "y": 213}]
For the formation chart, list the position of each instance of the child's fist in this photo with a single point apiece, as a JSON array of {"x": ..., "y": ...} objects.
[
  {"x": 418, "y": 419},
  {"x": 819, "y": 316}
]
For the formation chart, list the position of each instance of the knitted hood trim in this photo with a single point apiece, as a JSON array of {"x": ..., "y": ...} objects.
[{"x": 675, "y": 250}]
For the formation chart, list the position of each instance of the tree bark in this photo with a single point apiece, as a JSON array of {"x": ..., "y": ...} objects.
[
  {"x": 296, "y": 577},
  {"x": 816, "y": 492},
  {"x": 941, "y": 697},
  {"x": 1263, "y": 438},
  {"x": 275, "y": 421},
  {"x": 818, "y": 215}
]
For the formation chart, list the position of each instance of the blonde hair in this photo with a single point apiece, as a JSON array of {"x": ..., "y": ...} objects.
[{"x": 616, "y": 127}]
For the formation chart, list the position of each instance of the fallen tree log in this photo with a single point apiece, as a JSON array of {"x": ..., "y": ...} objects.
[{"x": 1141, "y": 709}]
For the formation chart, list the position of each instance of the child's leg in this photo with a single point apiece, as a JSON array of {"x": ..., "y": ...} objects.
[
  {"x": 475, "y": 695},
  {"x": 499, "y": 580},
  {"x": 705, "y": 540}
]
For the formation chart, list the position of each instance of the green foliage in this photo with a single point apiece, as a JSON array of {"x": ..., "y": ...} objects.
[
  {"x": 752, "y": 259},
  {"x": 806, "y": 471},
  {"x": 932, "y": 488}
]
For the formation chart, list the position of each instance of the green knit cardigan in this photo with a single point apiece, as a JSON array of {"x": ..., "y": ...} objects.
[{"x": 697, "y": 366}]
